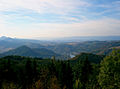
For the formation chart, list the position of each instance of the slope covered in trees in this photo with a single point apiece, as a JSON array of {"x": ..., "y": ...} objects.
[
  {"x": 18, "y": 72},
  {"x": 31, "y": 52},
  {"x": 93, "y": 58}
]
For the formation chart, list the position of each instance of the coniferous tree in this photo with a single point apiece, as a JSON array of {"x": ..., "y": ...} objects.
[
  {"x": 35, "y": 73},
  {"x": 28, "y": 73},
  {"x": 82, "y": 73},
  {"x": 86, "y": 70}
]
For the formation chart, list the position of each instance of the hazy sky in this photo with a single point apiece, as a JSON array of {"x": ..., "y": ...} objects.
[{"x": 59, "y": 18}]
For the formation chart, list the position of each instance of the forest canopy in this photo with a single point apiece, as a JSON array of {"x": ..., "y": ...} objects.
[{"x": 17, "y": 72}]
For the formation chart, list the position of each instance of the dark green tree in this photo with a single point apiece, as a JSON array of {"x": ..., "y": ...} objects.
[
  {"x": 35, "y": 72},
  {"x": 109, "y": 76},
  {"x": 28, "y": 73},
  {"x": 82, "y": 74}
]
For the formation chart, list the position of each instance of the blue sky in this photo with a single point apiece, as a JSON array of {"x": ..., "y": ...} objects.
[{"x": 59, "y": 18}]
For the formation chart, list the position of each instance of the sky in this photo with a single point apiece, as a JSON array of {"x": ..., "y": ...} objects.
[{"x": 59, "y": 18}]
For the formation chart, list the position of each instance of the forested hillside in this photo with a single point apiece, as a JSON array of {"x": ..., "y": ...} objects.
[
  {"x": 85, "y": 71},
  {"x": 93, "y": 58},
  {"x": 31, "y": 52}
]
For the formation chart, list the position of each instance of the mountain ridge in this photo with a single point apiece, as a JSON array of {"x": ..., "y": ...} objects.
[{"x": 26, "y": 51}]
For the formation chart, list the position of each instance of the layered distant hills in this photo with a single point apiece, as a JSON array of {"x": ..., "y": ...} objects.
[
  {"x": 61, "y": 49},
  {"x": 96, "y": 47}
]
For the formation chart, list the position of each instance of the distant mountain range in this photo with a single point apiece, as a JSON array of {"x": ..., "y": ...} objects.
[
  {"x": 59, "y": 48},
  {"x": 75, "y": 48},
  {"x": 7, "y": 43},
  {"x": 84, "y": 38}
]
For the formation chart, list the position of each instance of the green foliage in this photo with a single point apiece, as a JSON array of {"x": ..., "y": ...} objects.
[
  {"x": 82, "y": 72},
  {"x": 91, "y": 57},
  {"x": 10, "y": 85},
  {"x": 109, "y": 76},
  {"x": 18, "y": 72}
]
